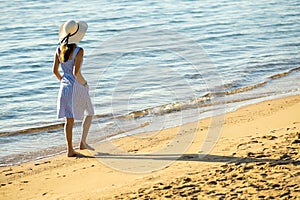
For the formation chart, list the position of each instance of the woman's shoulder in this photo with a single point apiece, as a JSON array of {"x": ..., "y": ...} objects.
[
  {"x": 78, "y": 52},
  {"x": 79, "y": 49}
]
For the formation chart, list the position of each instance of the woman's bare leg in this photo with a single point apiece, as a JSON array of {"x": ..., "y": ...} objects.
[
  {"x": 86, "y": 124},
  {"x": 68, "y": 132}
]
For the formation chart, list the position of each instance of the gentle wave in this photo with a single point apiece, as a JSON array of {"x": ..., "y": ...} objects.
[
  {"x": 205, "y": 100},
  {"x": 33, "y": 130},
  {"x": 202, "y": 101}
]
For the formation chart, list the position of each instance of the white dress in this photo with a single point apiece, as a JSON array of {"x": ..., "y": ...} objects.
[{"x": 73, "y": 98}]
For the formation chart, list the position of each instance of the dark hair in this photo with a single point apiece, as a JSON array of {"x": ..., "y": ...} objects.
[{"x": 65, "y": 51}]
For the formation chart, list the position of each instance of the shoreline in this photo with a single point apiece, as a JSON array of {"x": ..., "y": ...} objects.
[
  {"x": 92, "y": 178},
  {"x": 36, "y": 155}
]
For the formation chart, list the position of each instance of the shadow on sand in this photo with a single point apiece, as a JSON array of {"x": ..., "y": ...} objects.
[{"x": 192, "y": 157}]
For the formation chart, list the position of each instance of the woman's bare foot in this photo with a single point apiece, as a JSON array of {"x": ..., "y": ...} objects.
[
  {"x": 84, "y": 145},
  {"x": 73, "y": 153}
]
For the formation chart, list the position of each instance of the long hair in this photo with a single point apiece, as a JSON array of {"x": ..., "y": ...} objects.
[{"x": 65, "y": 51}]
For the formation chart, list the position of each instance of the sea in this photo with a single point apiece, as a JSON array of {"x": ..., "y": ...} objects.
[{"x": 150, "y": 65}]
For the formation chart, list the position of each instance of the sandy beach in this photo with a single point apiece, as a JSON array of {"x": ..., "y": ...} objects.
[{"x": 256, "y": 157}]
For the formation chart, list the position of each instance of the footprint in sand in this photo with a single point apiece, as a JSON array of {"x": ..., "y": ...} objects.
[
  {"x": 12, "y": 173},
  {"x": 7, "y": 170},
  {"x": 46, "y": 162},
  {"x": 269, "y": 137}
]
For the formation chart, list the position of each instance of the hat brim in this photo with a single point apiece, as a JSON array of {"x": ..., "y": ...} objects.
[{"x": 78, "y": 36}]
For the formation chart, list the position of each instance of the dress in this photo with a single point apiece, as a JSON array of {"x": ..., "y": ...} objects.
[{"x": 73, "y": 98}]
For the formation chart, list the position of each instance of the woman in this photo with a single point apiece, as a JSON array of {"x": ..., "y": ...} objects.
[{"x": 73, "y": 97}]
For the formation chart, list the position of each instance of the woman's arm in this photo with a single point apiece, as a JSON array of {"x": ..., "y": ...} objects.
[
  {"x": 55, "y": 67},
  {"x": 76, "y": 70}
]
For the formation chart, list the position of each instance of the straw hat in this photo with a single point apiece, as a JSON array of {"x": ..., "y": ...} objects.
[{"x": 72, "y": 32}]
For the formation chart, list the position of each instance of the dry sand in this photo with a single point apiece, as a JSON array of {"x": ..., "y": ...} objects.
[{"x": 256, "y": 157}]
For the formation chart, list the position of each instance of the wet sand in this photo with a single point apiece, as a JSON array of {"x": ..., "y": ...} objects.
[{"x": 256, "y": 157}]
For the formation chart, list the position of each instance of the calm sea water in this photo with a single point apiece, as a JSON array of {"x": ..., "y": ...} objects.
[{"x": 162, "y": 63}]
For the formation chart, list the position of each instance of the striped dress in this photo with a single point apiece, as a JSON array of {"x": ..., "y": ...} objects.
[{"x": 73, "y": 98}]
